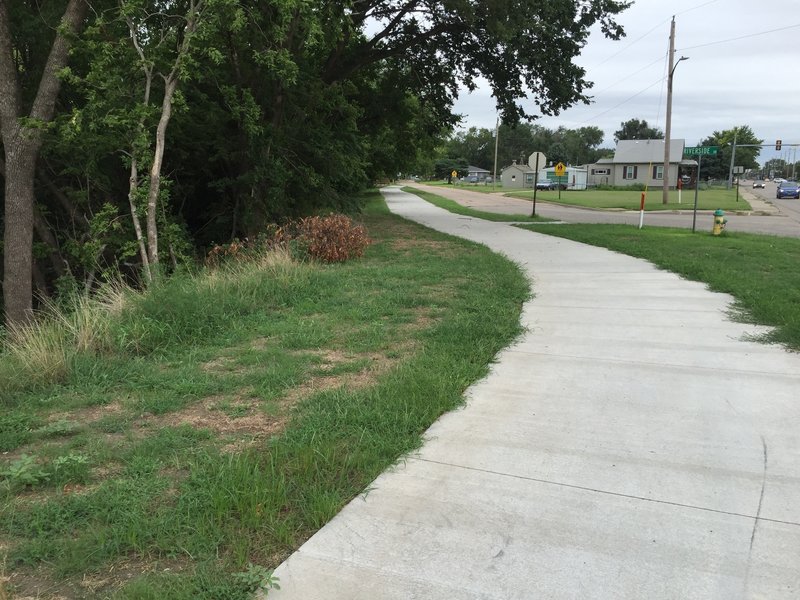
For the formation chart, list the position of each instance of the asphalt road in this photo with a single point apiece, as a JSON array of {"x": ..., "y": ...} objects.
[{"x": 770, "y": 216}]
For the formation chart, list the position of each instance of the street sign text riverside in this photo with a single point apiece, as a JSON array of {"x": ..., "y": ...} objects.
[{"x": 700, "y": 150}]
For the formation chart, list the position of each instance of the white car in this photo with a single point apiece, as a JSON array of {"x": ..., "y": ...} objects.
[
  {"x": 758, "y": 184},
  {"x": 779, "y": 180}
]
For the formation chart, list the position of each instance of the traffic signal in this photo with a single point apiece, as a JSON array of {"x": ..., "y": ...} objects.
[{"x": 777, "y": 144}]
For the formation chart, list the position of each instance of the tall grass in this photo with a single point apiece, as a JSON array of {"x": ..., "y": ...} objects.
[{"x": 120, "y": 320}]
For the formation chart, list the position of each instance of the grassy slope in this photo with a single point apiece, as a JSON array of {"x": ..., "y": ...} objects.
[
  {"x": 760, "y": 271},
  {"x": 235, "y": 416}
]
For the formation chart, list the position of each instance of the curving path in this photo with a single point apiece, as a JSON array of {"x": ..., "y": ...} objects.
[{"x": 630, "y": 445}]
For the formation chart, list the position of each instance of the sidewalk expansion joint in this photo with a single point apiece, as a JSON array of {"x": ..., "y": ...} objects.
[
  {"x": 605, "y": 492},
  {"x": 648, "y": 363}
]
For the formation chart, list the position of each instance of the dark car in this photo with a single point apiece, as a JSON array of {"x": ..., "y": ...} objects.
[{"x": 788, "y": 189}]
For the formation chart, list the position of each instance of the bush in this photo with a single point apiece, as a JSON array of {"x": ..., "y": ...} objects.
[{"x": 333, "y": 238}]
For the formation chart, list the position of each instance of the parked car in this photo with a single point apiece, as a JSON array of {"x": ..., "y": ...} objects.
[
  {"x": 472, "y": 179},
  {"x": 546, "y": 184},
  {"x": 788, "y": 189},
  {"x": 758, "y": 184}
]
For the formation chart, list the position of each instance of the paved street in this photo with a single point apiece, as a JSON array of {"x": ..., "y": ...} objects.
[
  {"x": 782, "y": 217},
  {"x": 632, "y": 444}
]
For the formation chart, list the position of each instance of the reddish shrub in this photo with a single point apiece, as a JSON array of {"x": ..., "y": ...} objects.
[{"x": 334, "y": 238}]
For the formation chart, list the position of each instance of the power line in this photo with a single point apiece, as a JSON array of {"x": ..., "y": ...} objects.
[
  {"x": 683, "y": 12},
  {"x": 608, "y": 87},
  {"x": 641, "y": 37},
  {"x": 741, "y": 37},
  {"x": 639, "y": 93}
]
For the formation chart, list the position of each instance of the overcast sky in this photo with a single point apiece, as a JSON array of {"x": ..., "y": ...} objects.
[{"x": 732, "y": 77}]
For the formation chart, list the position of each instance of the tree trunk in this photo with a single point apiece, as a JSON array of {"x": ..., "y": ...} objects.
[
  {"x": 155, "y": 170},
  {"x": 137, "y": 224},
  {"x": 22, "y": 146},
  {"x": 18, "y": 234}
]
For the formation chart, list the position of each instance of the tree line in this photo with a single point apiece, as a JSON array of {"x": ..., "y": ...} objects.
[
  {"x": 476, "y": 147},
  {"x": 137, "y": 132}
]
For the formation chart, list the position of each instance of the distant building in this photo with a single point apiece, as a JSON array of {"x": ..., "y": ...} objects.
[
  {"x": 481, "y": 174},
  {"x": 639, "y": 162},
  {"x": 518, "y": 176}
]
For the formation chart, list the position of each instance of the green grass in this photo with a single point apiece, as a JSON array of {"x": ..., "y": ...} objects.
[
  {"x": 227, "y": 416},
  {"x": 710, "y": 199},
  {"x": 459, "y": 209},
  {"x": 760, "y": 271}
]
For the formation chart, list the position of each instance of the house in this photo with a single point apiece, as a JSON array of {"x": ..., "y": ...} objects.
[
  {"x": 639, "y": 162},
  {"x": 518, "y": 176},
  {"x": 481, "y": 174}
]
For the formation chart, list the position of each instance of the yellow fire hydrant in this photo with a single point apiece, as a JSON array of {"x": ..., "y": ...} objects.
[{"x": 719, "y": 222}]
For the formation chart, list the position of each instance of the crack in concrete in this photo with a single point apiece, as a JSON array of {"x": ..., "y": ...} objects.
[{"x": 757, "y": 517}]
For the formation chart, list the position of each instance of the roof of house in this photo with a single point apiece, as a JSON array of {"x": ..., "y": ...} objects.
[
  {"x": 523, "y": 168},
  {"x": 648, "y": 151},
  {"x": 474, "y": 169}
]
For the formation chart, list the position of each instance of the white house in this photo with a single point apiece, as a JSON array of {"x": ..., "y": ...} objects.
[
  {"x": 639, "y": 162},
  {"x": 518, "y": 176}
]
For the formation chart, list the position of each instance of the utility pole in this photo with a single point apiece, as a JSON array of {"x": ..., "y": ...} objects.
[
  {"x": 668, "y": 131},
  {"x": 733, "y": 158},
  {"x": 496, "y": 139}
]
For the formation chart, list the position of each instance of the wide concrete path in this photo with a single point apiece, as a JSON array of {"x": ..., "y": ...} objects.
[{"x": 630, "y": 445}]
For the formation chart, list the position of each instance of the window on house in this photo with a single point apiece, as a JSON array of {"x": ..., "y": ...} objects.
[
  {"x": 528, "y": 177},
  {"x": 658, "y": 172},
  {"x": 630, "y": 172},
  {"x": 599, "y": 171}
]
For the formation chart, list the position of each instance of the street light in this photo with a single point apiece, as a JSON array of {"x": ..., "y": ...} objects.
[{"x": 668, "y": 132}]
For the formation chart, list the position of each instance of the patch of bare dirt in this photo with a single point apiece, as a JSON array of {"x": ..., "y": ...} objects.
[
  {"x": 41, "y": 584},
  {"x": 88, "y": 414}
]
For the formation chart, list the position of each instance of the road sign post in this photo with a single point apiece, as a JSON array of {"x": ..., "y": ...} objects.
[
  {"x": 696, "y": 187},
  {"x": 534, "y": 160},
  {"x": 560, "y": 169}
]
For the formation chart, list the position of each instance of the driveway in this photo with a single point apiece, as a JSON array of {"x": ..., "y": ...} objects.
[{"x": 631, "y": 444}]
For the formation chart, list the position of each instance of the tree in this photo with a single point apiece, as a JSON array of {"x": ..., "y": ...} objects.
[
  {"x": 717, "y": 166},
  {"x": 22, "y": 131},
  {"x": 634, "y": 129}
]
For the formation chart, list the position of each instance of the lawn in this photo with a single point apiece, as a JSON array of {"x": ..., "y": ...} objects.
[
  {"x": 459, "y": 209},
  {"x": 226, "y": 415},
  {"x": 759, "y": 271},
  {"x": 710, "y": 199}
]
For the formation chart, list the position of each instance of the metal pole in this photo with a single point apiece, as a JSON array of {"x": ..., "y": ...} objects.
[
  {"x": 496, "y": 139},
  {"x": 696, "y": 187},
  {"x": 668, "y": 129},
  {"x": 535, "y": 181},
  {"x": 733, "y": 158}
]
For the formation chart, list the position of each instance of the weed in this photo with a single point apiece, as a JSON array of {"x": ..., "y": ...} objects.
[
  {"x": 24, "y": 471},
  {"x": 70, "y": 468},
  {"x": 257, "y": 578}
]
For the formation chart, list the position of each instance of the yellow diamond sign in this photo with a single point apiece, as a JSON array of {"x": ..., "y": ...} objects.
[{"x": 560, "y": 169}]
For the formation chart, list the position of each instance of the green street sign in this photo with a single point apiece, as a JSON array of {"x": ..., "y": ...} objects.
[{"x": 700, "y": 150}]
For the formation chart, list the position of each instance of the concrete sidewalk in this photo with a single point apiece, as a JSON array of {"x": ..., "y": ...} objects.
[{"x": 630, "y": 445}]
